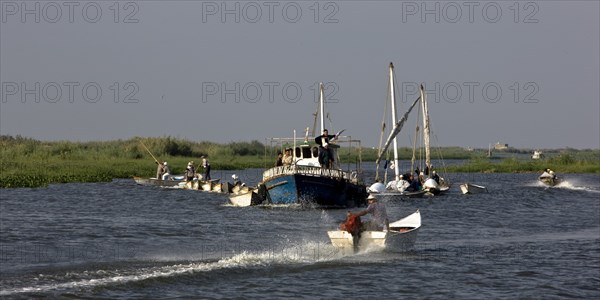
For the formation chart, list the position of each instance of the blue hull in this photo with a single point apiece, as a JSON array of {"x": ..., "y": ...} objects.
[{"x": 315, "y": 190}]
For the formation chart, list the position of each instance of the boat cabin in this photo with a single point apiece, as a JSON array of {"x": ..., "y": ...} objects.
[{"x": 308, "y": 154}]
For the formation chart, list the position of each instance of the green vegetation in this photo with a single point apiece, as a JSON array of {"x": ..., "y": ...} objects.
[
  {"x": 563, "y": 161},
  {"x": 27, "y": 162}
]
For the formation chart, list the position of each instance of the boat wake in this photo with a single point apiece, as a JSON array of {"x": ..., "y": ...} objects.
[
  {"x": 567, "y": 185},
  {"x": 571, "y": 186},
  {"x": 305, "y": 254}
]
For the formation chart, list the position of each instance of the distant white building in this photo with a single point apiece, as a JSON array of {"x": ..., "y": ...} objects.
[{"x": 499, "y": 146}]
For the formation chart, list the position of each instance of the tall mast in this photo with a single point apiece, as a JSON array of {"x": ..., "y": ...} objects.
[
  {"x": 393, "y": 100},
  {"x": 425, "y": 128},
  {"x": 322, "y": 105}
]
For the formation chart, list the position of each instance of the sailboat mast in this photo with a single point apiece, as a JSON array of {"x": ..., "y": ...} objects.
[
  {"x": 393, "y": 100},
  {"x": 425, "y": 128},
  {"x": 322, "y": 105}
]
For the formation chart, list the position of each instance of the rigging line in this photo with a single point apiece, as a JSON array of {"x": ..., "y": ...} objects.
[
  {"x": 413, "y": 159},
  {"x": 316, "y": 115},
  {"x": 439, "y": 149},
  {"x": 379, "y": 149}
]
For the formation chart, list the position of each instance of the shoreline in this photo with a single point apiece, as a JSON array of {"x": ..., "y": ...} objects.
[
  {"x": 35, "y": 177},
  {"x": 27, "y": 162}
]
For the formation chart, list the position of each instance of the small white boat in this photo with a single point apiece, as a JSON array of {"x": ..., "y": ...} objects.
[
  {"x": 173, "y": 182},
  {"x": 537, "y": 154},
  {"x": 245, "y": 196},
  {"x": 549, "y": 178},
  {"x": 469, "y": 188},
  {"x": 401, "y": 236}
]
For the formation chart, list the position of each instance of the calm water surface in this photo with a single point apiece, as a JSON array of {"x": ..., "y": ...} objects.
[{"x": 120, "y": 240}]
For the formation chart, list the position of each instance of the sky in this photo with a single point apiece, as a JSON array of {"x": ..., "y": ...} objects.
[{"x": 524, "y": 73}]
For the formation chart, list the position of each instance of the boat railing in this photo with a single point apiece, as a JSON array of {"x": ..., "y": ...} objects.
[{"x": 310, "y": 171}]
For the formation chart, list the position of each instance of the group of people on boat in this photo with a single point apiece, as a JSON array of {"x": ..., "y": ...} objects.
[
  {"x": 379, "y": 219},
  {"x": 163, "y": 171},
  {"x": 284, "y": 159},
  {"x": 413, "y": 183},
  {"x": 191, "y": 173},
  {"x": 325, "y": 155}
]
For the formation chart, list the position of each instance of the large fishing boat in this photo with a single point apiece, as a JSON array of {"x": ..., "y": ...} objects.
[{"x": 309, "y": 180}]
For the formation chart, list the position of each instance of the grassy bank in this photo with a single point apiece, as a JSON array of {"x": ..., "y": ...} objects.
[
  {"x": 27, "y": 162},
  {"x": 562, "y": 164},
  {"x": 30, "y": 163}
]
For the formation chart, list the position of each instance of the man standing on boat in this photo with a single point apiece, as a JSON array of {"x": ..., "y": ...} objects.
[
  {"x": 325, "y": 155},
  {"x": 159, "y": 170},
  {"x": 324, "y": 138},
  {"x": 190, "y": 172},
  {"x": 206, "y": 166},
  {"x": 379, "y": 219}
]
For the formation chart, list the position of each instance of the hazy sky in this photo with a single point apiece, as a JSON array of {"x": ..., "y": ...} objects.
[{"x": 523, "y": 73}]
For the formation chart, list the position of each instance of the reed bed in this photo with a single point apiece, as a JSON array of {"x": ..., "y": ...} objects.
[{"x": 26, "y": 162}]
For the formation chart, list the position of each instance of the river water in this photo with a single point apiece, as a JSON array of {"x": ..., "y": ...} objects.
[{"x": 121, "y": 240}]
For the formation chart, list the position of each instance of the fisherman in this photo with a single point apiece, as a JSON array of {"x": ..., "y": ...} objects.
[
  {"x": 190, "y": 172},
  {"x": 236, "y": 180},
  {"x": 206, "y": 166},
  {"x": 379, "y": 219},
  {"x": 279, "y": 161},
  {"x": 159, "y": 170},
  {"x": 167, "y": 172},
  {"x": 352, "y": 223}
]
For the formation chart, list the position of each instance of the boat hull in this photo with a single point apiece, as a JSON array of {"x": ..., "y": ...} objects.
[
  {"x": 401, "y": 237},
  {"x": 324, "y": 191},
  {"x": 549, "y": 181},
  {"x": 245, "y": 197},
  {"x": 401, "y": 195},
  {"x": 468, "y": 188},
  {"x": 156, "y": 182}
]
